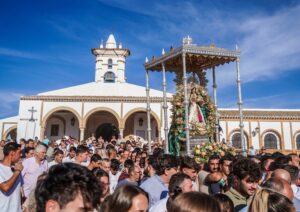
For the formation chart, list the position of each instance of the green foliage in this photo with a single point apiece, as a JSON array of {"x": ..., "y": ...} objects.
[{"x": 203, "y": 151}]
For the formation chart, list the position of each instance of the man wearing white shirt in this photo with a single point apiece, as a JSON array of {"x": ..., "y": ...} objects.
[
  {"x": 82, "y": 153},
  {"x": 10, "y": 180},
  {"x": 33, "y": 168},
  {"x": 71, "y": 155},
  {"x": 114, "y": 174},
  {"x": 58, "y": 157}
]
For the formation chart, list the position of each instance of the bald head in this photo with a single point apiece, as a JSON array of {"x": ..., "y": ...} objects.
[
  {"x": 287, "y": 190},
  {"x": 282, "y": 174},
  {"x": 280, "y": 186}
]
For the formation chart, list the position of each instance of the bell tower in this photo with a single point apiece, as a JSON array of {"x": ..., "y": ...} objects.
[{"x": 110, "y": 61}]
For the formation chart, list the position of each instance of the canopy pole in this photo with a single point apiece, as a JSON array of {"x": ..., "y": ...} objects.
[
  {"x": 240, "y": 103},
  {"x": 148, "y": 112},
  {"x": 186, "y": 106},
  {"x": 165, "y": 107},
  {"x": 217, "y": 135}
]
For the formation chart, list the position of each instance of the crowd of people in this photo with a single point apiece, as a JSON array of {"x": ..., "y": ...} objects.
[{"x": 116, "y": 176}]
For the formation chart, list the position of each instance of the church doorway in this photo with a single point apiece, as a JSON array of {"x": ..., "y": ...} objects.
[
  {"x": 107, "y": 131},
  {"x": 136, "y": 125},
  {"x": 62, "y": 123},
  {"x": 102, "y": 123}
]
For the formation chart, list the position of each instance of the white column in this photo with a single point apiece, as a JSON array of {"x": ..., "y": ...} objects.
[
  {"x": 186, "y": 106},
  {"x": 240, "y": 103},
  {"x": 148, "y": 112},
  {"x": 121, "y": 130},
  {"x": 216, "y": 105},
  {"x": 42, "y": 133},
  {"x": 165, "y": 107},
  {"x": 82, "y": 134}
]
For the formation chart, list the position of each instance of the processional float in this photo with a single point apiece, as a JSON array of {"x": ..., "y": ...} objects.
[{"x": 194, "y": 116}]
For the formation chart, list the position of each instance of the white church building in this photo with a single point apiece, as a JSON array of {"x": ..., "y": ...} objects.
[
  {"x": 110, "y": 106},
  {"x": 107, "y": 106}
]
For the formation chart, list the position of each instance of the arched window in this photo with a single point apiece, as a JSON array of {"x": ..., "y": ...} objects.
[
  {"x": 109, "y": 77},
  {"x": 236, "y": 140},
  {"x": 271, "y": 140},
  {"x": 298, "y": 142},
  {"x": 109, "y": 64}
]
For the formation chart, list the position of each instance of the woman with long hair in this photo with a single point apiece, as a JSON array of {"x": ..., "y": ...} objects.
[
  {"x": 267, "y": 200},
  {"x": 126, "y": 198},
  {"x": 194, "y": 202}
]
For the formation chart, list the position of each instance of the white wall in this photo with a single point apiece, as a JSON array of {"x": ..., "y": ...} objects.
[
  {"x": 270, "y": 125},
  {"x": 295, "y": 127},
  {"x": 28, "y": 129},
  {"x": 264, "y": 126},
  {"x": 116, "y": 107},
  {"x": 118, "y": 67},
  {"x": 48, "y": 106},
  {"x": 287, "y": 135}
]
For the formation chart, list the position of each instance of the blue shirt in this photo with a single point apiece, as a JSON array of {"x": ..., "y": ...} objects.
[
  {"x": 156, "y": 189},
  {"x": 296, "y": 204}
]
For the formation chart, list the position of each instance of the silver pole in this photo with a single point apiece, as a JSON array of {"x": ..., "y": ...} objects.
[
  {"x": 240, "y": 103},
  {"x": 165, "y": 107},
  {"x": 215, "y": 104},
  {"x": 186, "y": 106},
  {"x": 148, "y": 113}
]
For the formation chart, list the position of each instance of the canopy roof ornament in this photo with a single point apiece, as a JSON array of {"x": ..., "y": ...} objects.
[{"x": 197, "y": 57}]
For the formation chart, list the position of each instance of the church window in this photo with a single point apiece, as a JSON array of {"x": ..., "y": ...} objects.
[
  {"x": 109, "y": 64},
  {"x": 54, "y": 130},
  {"x": 236, "y": 140},
  {"x": 298, "y": 142},
  {"x": 271, "y": 140},
  {"x": 109, "y": 77}
]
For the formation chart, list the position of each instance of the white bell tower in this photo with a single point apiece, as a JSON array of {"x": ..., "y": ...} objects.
[{"x": 110, "y": 62}]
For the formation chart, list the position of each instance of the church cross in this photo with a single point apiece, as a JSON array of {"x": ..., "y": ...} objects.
[{"x": 32, "y": 110}]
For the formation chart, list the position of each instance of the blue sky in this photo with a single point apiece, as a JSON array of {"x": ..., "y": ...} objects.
[{"x": 45, "y": 45}]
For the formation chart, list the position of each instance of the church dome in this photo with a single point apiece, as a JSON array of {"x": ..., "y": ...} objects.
[{"x": 111, "y": 42}]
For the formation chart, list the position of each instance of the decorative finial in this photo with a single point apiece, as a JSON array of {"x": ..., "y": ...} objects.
[
  {"x": 187, "y": 40},
  {"x": 101, "y": 45},
  {"x": 163, "y": 51},
  {"x": 111, "y": 42},
  {"x": 171, "y": 48},
  {"x": 120, "y": 45},
  {"x": 146, "y": 60},
  {"x": 236, "y": 47}
]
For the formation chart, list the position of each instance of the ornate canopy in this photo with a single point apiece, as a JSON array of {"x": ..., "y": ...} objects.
[
  {"x": 198, "y": 58},
  {"x": 191, "y": 58}
]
